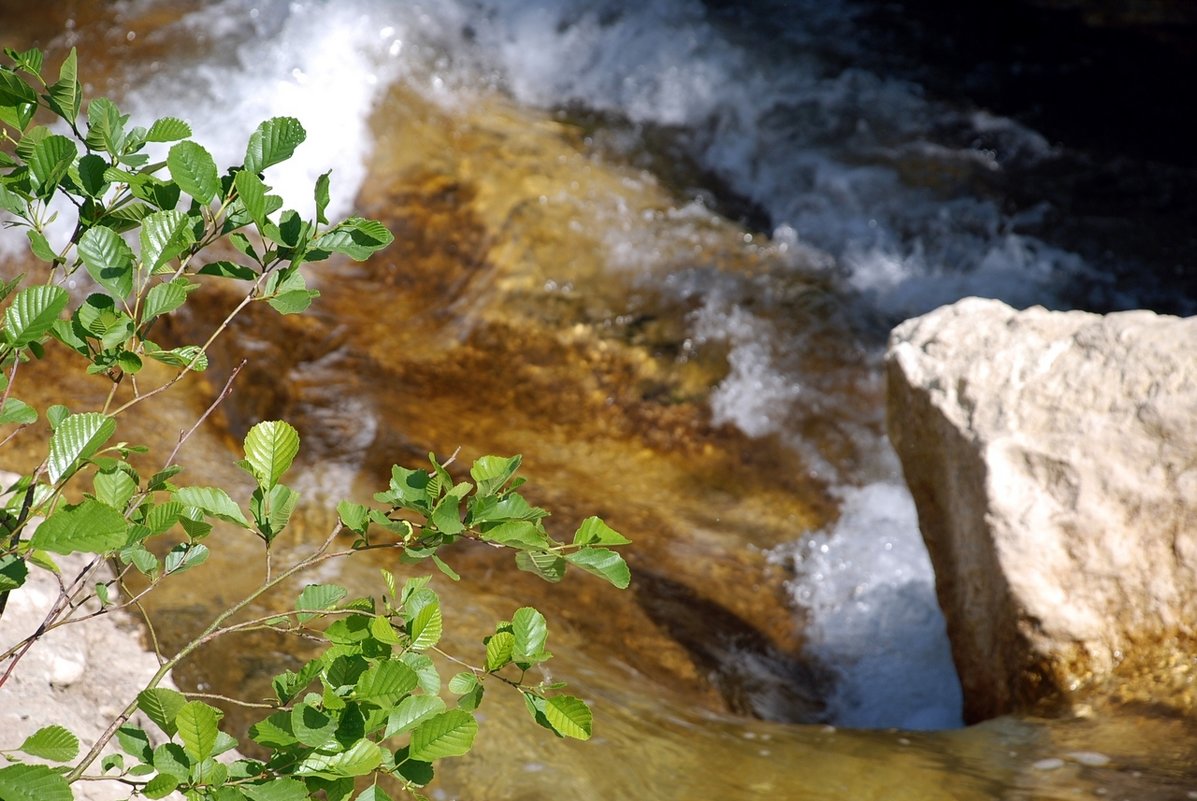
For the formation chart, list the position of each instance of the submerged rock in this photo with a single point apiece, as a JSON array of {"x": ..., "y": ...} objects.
[{"x": 1051, "y": 456}]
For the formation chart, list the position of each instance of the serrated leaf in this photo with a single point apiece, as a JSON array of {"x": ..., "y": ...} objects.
[
  {"x": 594, "y": 531},
  {"x": 603, "y": 563},
  {"x": 322, "y": 198},
  {"x": 32, "y": 313},
  {"x": 385, "y": 683},
  {"x": 448, "y": 734},
  {"x": 108, "y": 259},
  {"x": 531, "y": 631},
  {"x": 252, "y": 192},
  {"x": 374, "y": 793},
  {"x": 518, "y": 534},
  {"x": 426, "y": 627},
  {"x": 161, "y": 705},
  {"x": 317, "y": 598},
  {"x": 499, "y": 649},
  {"x": 411, "y": 712},
  {"x": 114, "y": 487},
  {"x": 18, "y": 412},
  {"x": 90, "y": 527},
  {"x": 228, "y": 269},
  {"x": 135, "y": 742},
  {"x": 214, "y": 502},
  {"x": 360, "y": 759},
  {"x": 185, "y": 555},
  {"x": 273, "y": 141},
  {"x": 91, "y": 175},
  {"x": 276, "y": 790},
  {"x": 312, "y": 727},
  {"x": 105, "y": 126},
  {"x": 66, "y": 95},
  {"x": 76, "y": 438},
  {"x": 492, "y": 472},
  {"x": 430, "y": 680},
  {"x": 170, "y": 758},
  {"x": 384, "y": 632},
  {"x": 354, "y": 516},
  {"x": 54, "y": 743},
  {"x": 463, "y": 682},
  {"x": 356, "y": 237},
  {"x": 161, "y": 786},
  {"x": 549, "y": 566},
  {"x": 275, "y": 731},
  {"x": 40, "y": 246},
  {"x": 194, "y": 170},
  {"x": 164, "y": 235},
  {"x": 168, "y": 129},
  {"x": 186, "y": 356},
  {"x": 33, "y": 783},
  {"x": 270, "y": 448},
  {"x": 569, "y": 716},
  {"x": 197, "y": 725},
  {"x": 166, "y": 297},
  {"x": 49, "y": 162}
]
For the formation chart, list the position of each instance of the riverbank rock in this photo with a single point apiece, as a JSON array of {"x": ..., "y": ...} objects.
[
  {"x": 79, "y": 676},
  {"x": 1053, "y": 460}
]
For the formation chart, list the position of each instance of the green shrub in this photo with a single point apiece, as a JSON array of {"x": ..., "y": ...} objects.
[{"x": 370, "y": 703}]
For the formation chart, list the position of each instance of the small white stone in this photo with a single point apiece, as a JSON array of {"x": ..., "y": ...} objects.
[
  {"x": 1090, "y": 758},
  {"x": 66, "y": 669},
  {"x": 1051, "y": 763}
]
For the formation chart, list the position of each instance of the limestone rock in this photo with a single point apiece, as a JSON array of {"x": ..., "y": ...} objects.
[{"x": 1053, "y": 460}]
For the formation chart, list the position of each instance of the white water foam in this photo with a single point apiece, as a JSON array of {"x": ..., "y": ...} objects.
[{"x": 868, "y": 584}]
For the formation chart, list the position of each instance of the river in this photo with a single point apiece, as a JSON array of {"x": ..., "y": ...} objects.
[{"x": 656, "y": 248}]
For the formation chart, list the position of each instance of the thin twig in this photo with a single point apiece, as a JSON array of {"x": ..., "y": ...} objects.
[{"x": 224, "y": 393}]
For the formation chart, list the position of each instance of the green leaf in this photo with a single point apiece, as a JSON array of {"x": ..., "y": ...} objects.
[
  {"x": 161, "y": 705},
  {"x": 518, "y": 534},
  {"x": 114, "y": 487},
  {"x": 603, "y": 563},
  {"x": 185, "y": 556},
  {"x": 386, "y": 682},
  {"x": 13, "y": 572},
  {"x": 270, "y": 448},
  {"x": 49, "y": 162},
  {"x": 463, "y": 682},
  {"x": 91, "y": 175},
  {"x": 317, "y": 598},
  {"x": 272, "y": 510},
  {"x": 355, "y": 516},
  {"x": 66, "y": 95},
  {"x": 492, "y": 472},
  {"x": 54, "y": 743},
  {"x": 197, "y": 727},
  {"x": 569, "y": 716},
  {"x": 444, "y": 568},
  {"x": 430, "y": 680},
  {"x": 228, "y": 269},
  {"x": 90, "y": 527},
  {"x": 276, "y": 790},
  {"x": 448, "y": 734},
  {"x": 33, "y": 783},
  {"x": 168, "y": 129},
  {"x": 32, "y": 313},
  {"x": 531, "y": 631},
  {"x": 426, "y": 627},
  {"x": 108, "y": 259},
  {"x": 273, "y": 142},
  {"x": 170, "y": 758},
  {"x": 360, "y": 759},
  {"x": 105, "y": 126},
  {"x": 40, "y": 246},
  {"x": 166, "y": 297},
  {"x": 187, "y": 356},
  {"x": 373, "y": 793},
  {"x": 411, "y": 712},
  {"x": 161, "y": 786},
  {"x": 164, "y": 235},
  {"x": 194, "y": 170},
  {"x": 214, "y": 502},
  {"x": 356, "y": 237},
  {"x": 274, "y": 732},
  {"x": 76, "y": 438},
  {"x": 322, "y": 198},
  {"x": 499, "y": 650},
  {"x": 135, "y": 742},
  {"x": 549, "y": 566},
  {"x": 17, "y": 411},
  {"x": 594, "y": 531},
  {"x": 313, "y": 727},
  {"x": 252, "y": 192}
]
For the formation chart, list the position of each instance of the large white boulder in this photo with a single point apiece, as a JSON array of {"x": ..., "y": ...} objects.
[{"x": 1053, "y": 460}]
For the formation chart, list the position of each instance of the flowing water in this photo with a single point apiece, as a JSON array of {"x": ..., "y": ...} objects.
[{"x": 655, "y": 247}]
